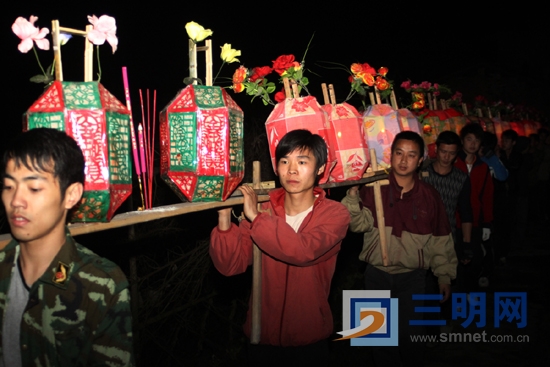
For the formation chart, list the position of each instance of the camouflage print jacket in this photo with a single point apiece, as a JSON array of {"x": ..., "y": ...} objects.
[{"x": 78, "y": 313}]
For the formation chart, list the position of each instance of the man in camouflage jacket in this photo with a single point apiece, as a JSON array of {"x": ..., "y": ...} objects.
[{"x": 60, "y": 304}]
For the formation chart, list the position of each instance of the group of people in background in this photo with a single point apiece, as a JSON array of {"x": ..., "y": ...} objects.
[{"x": 447, "y": 222}]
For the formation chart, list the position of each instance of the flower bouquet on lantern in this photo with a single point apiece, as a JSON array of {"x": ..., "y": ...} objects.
[
  {"x": 290, "y": 111},
  {"x": 86, "y": 111},
  {"x": 201, "y": 131},
  {"x": 363, "y": 77}
]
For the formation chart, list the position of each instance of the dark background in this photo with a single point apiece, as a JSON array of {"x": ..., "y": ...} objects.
[{"x": 499, "y": 52}]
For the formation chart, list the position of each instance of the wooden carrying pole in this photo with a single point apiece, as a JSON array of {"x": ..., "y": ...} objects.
[
  {"x": 325, "y": 93},
  {"x": 332, "y": 94},
  {"x": 393, "y": 100},
  {"x": 379, "y": 209},
  {"x": 207, "y": 48},
  {"x": 88, "y": 50},
  {"x": 256, "y": 270},
  {"x": 286, "y": 84}
]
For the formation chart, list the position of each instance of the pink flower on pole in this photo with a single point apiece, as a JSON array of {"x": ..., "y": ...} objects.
[
  {"x": 28, "y": 33},
  {"x": 104, "y": 30},
  {"x": 406, "y": 84},
  {"x": 425, "y": 85}
]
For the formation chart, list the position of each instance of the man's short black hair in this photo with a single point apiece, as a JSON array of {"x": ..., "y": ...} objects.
[
  {"x": 472, "y": 128},
  {"x": 448, "y": 138},
  {"x": 409, "y": 135},
  {"x": 303, "y": 140},
  {"x": 45, "y": 149},
  {"x": 509, "y": 134}
]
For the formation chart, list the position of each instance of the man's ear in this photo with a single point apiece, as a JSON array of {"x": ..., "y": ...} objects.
[
  {"x": 73, "y": 195},
  {"x": 420, "y": 161},
  {"x": 321, "y": 169}
]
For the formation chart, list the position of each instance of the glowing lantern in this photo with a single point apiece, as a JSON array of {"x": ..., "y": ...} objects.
[
  {"x": 350, "y": 147},
  {"x": 518, "y": 128},
  {"x": 380, "y": 124},
  {"x": 408, "y": 121},
  {"x": 100, "y": 124},
  {"x": 457, "y": 119},
  {"x": 201, "y": 136},
  {"x": 301, "y": 113}
]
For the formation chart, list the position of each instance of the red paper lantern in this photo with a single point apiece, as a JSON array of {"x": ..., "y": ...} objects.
[
  {"x": 201, "y": 134},
  {"x": 100, "y": 124}
]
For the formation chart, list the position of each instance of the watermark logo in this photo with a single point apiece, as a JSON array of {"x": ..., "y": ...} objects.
[
  {"x": 509, "y": 307},
  {"x": 370, "y": 318}
]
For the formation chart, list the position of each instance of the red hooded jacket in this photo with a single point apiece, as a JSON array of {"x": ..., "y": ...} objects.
[{"x": 297, "y": 268}]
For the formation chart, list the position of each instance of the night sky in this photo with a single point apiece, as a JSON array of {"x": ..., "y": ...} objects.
[{"x": 497, "y": 52}]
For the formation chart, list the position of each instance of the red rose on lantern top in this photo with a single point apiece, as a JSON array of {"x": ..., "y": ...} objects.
[
  {"x": 280, "y": 96},
  {"x": 367, "y": 78},
  {"x": 381, "y": 83},
  {"x": 239, "y": 76},
  {"x": 383, "y": 71},
  {"x": 260, "y": 72},
  {"x": 284, "y": 62}
]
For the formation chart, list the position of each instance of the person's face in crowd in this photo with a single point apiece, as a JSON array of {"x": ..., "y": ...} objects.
[
  {"x": 297, "y": 171},
  {"x": 471, "y": 144},
  {"x": 507, "y": 144},
  {"x": 34, "y": 206},
  {"x": 446, "y": 154},
  {"x": 405, "y": 158}
]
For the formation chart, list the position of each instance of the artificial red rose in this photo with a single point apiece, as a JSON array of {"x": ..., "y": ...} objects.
[
  {"x": 367, "y": 78},
  {"x": 282, "y": 63},
  {"x": 280, "y": 96},
  {"x": 418, "y": 105},
  {"x": 356, "y": 68},
  {"x": 238, "y": 87},
  {"x": 383, "y": 71},
  {"x": 260, "y": 72},
  {"x": 381, "y": 83},
  {"x": 239, "y": 75},
  {"x": 351, "y": 79},
  {"x": 368, "y": 69}
]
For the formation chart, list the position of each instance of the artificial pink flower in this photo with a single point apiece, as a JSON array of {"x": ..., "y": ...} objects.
[
  {"x": 28, "y": 33},
  {"x": 104, "y": 29},
  {"x": 425, "y": 85},
  {"x": 406, "y": 84}
]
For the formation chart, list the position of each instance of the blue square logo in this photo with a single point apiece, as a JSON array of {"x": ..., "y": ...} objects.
[{"x": 369, "y": 318}]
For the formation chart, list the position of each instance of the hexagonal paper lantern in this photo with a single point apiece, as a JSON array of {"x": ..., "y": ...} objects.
[
  {"x": 380, "y": 126},
  {"x": 458, "y": 120},
  {"x": 100, "y": 124},
  {"x": 201, "y": 133},
  {"x": 350, "y": 147},
  {"x": 300, "y": 113},
  {"x": 408, "y": 121}
]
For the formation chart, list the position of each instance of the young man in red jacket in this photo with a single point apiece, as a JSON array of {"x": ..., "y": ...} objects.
[
  {"x": 299, "y": 232},
  {"x": 481, "y": 199}
]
